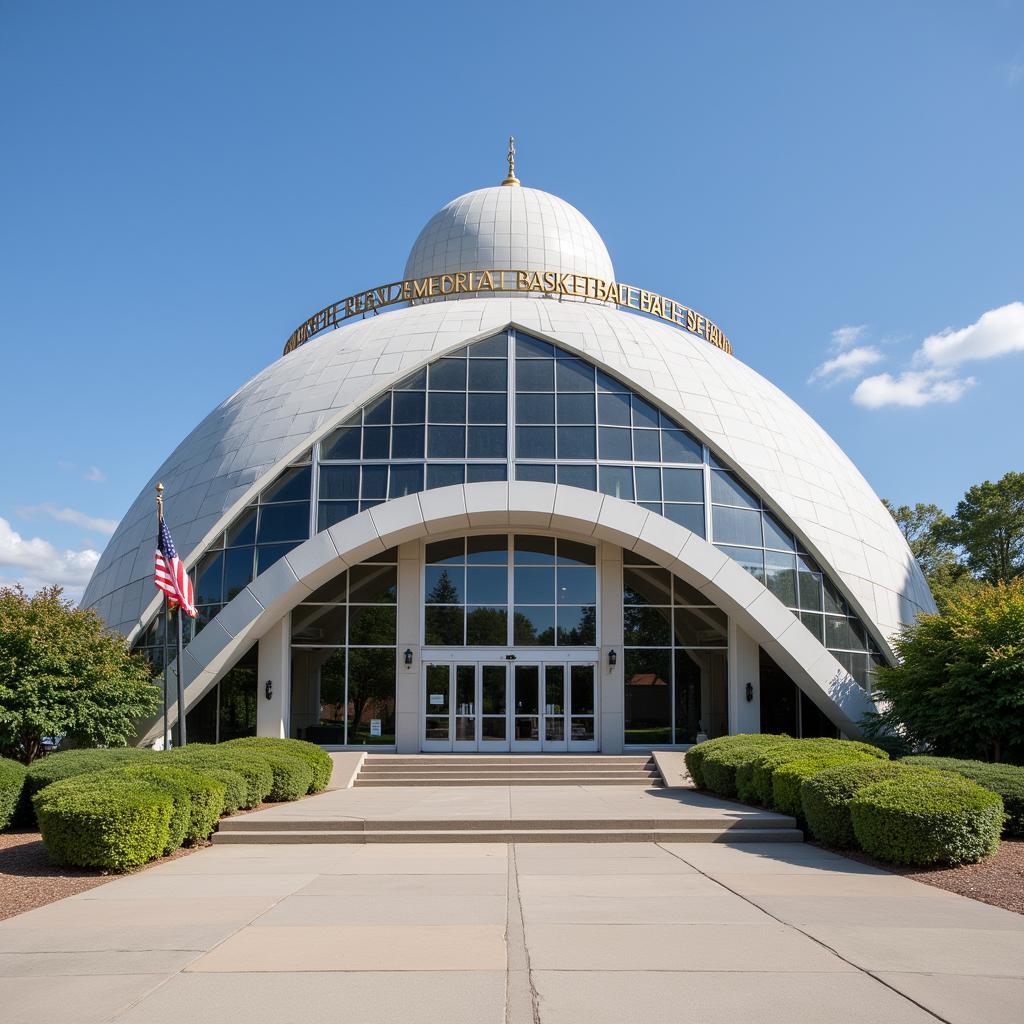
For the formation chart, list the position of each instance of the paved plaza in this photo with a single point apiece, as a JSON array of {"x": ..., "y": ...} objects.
[{"x": 514, "y": 933}]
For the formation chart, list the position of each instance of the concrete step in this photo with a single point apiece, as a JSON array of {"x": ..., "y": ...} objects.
[
  {"x": 504, "y": 766},
  {"x": 512, "y": 780},
  {"x": 516, "y": 835},
  {"x": 418, "y": 760}
]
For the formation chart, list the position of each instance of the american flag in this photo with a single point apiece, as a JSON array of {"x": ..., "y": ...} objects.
[{"x": 170, "y": 575}]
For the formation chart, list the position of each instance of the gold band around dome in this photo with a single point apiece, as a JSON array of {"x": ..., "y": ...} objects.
[{"x": 542, "y": 282}]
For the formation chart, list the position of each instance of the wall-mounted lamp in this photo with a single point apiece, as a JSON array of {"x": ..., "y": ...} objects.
[
  {"x": 750, "y": 691},
  {"x": 612, "y": 659},
  {"x": 268, "y": 690},
  {"x": 408, "y": 656}
]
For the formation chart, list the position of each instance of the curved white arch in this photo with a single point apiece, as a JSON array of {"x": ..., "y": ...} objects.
[{"x": 524, "y": 505}]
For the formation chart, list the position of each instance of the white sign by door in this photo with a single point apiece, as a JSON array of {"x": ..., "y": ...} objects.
[
  {"x": 437, "y": 698},
  {"x": 374, "y": 726}
]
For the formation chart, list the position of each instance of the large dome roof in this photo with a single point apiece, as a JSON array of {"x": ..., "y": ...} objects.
[{"x": 509, "y": 228}]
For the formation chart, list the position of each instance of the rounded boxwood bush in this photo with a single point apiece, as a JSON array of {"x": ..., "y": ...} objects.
[
  {"x": 825, "y": 797},
  {"x": 12, "y": 782},
  {"x": 720, "y": 766},
  {"x": 292, "y": 775},
  {"x": 259, "y": 779},
  {"x": 788, "y": 778},
  {"x": 235, "y": 788},
  {"x": 919, "y": 818},
  {"x": 1005, "y": 779},
  {"x": 694, "y": 757},
  {"x": 795, "y": 750},
  {"x": 318, "y": 760},
  {"x": 65, "y": 764},
  {"x": 111, "y": 822},
  {"x": 202, "y": 796}
]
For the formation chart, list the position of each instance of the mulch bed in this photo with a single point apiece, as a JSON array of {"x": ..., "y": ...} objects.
[
  {"x": 28, "y": 879},
  {"x": 998, "y": 880}
]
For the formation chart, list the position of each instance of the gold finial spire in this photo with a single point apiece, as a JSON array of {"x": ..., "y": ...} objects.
[{"x": 511, "y": 179}]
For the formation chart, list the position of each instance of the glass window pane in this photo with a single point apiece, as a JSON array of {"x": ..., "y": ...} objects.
[
  {"x": 578, "y": 476},
  {"x": 332, "y": 592},
  {"x": 447, "y": 375},
  {"x": 538, "y": 473},
  {"x": 727, "y": 490},
  {"x": 376, "y": 442},
  {"x": 689, "y": 516},
  {"x": 373, "y": 583},
  {"x": 488, "y": 375},
  {"x": 243, "y": 530},
  {"x": 700, "y": 627},
  {"x": 701, "y": 694},
  {"x": 529, "y": 550},
  {"x": 409, "y": 407},
  {"x": 482, "y": 474},
  {"x": 444, "y": 475},
  {"x": 487, "y": 585},
  {"x": 834, "y": 601},
  {"x": 608, "y": 383},
  {"x": 414, "y": 382},
  {"x": 647, "y": 627},
  {"x": 684, "y": 484},
  {"x": 646, "y": 586},
  {"x": 407, "y": 442},
  {"x": 576, "y": 443},
  {"x": 736, "y": 525},
  {"x": 577, "y": 626},
  {"x": 371, "y": 695},
  {"x": 613, "y": 410},
  {"x": 445, "y": 407},
  {"x": 534, "y": 627},
  {"x": 487, "y": 442},
  {"x": 319, "y": 624},
  {"x": 577, "y": 585},
  {"x": 534, "y": 585},
  {"x": 371, "y": 624},
  {"x": 574, "y": 374},
  {"x": 291, "y": 485},
  {"x": 535, "y": 442},
  {"x": 406, "y": 480},
  {"x": 331, "y": 512},
  {"x": 487, "y": 627},
  {"x": 644, "y": 414},
  {"x": 776, "y": 535},
  {"x": 526, "y": 345},
  {"x": 582, "y": 686},
  {"x": 648, "y": 696},
  {"x": 575, "y": 409},
  {"x": 491, "y": 549},
  {"x": 780, "y": 576},
  {"x": 809, "y": 581},
  {"x": 535, "y": 409},
  {"x": 496, "y": 346},
  {"x": 616, "y": 443},
  {"x": 751, "y": 559},
  {"x": 484, "y": 408},
  {"x": 648, "y": 484},
  {"x": 238, "y": 570},
  {"x": 535, "y": 375},
  {"x": 617, "y": 481},
  {"x": 678, "y": 446},
  {"x": 815, "y": 623},
  {"x": 343, "y": 443},
  {"x": 646, "y": 446},
  {"x": 443, "y": 625},
  {"x": 378, "y": 412},
  {"x": 209, "y": 577},
  {"x": 446, "y": 442},
  {"x": 284, "y": 522},
  {"x": 446, "y": 551},
  {"x": 375, "y": 482},
  {"x": 339, "y": 481},
  {"x": 571, "y": 552},
  {"x": 444, "y": 584},
  {"x": 268, "y": 554}
]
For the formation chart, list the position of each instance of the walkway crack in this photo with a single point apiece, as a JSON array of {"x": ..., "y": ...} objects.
[{"x": 522, "y": 1004}]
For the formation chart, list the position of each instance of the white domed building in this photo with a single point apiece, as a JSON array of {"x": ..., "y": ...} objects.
[{"x": 510, "y": 504}]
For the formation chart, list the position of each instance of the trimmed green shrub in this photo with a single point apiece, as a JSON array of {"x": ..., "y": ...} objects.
[
  {"x": 12, "y": 782},
  {"x": 292, "y": 775},
  {"x": 925, "y": 819},
  {"x": 1005, "y": 779},
  {"x": 796, "y": 750},
  {"x": 694, "y": 757},
  {"x": 67, "y": 763},
  {"x": 259, "y": 779},
  {"x": 318, "y": 760},
  {"x": 788, "y": 777},
  {"x": 720, "y": 766},
  {"x": 825, "y": 797},
  {"x": 201, "y": 796},
  {"x": 114, "y": 822},
  {"x": 235, "y": 788}
]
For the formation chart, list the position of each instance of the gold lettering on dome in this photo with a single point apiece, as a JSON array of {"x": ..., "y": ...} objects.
[{"x": 546, "y": 282}]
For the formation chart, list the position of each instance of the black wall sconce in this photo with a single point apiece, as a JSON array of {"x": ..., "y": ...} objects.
[
  {"x": 408, "y": 656},
  {"x": 612, "y": 659},
  {"x": 750, "y": 692},
  {"x": 268, "y": 690}
]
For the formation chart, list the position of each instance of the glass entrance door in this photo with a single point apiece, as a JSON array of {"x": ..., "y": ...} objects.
[{"x": 521, "y": 706}]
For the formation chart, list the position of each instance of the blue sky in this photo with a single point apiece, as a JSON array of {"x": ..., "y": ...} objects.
[{"x": 839, "y": 186}]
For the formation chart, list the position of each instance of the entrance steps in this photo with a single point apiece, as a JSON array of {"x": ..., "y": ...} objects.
[
  {"x": 756, "y": 828},
  {"x": 508, "y": 770}
]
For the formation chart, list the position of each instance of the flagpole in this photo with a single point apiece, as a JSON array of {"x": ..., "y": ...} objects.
[
  {"x": 182, "y": 740},
  {"x": 167, "y": 615}
]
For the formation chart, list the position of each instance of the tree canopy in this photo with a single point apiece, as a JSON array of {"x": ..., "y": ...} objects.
[{"x": 61, "y": 675}]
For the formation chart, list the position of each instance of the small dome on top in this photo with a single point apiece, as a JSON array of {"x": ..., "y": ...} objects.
[{"x": 509, "y": 227}]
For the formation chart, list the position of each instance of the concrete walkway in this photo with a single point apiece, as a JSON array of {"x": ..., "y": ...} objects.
[{"x": 419, "y": 934}]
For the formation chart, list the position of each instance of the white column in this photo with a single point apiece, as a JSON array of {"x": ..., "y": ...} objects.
[
  {"x": 744, "y": 668},
  {"x": 275, "y": 668},
  {"x": 610, "y": 689},
  {"x": 407, "y": 695}
]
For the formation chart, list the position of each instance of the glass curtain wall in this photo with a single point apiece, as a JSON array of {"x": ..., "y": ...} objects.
[
  {"x": 343, "y": 657},
  {"x": 676, "y": 658},
  {"x": 228, "y": 711}
]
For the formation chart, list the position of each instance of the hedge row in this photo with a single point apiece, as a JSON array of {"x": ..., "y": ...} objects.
[
  {"x": 849, "y": 793},
  {"x": 109, "y": 809},
  {"x": 12, "y": 782}
]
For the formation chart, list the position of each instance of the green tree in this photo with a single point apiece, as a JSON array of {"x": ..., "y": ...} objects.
[
  {"x": 921, "y": 525},
  {"x": 62, "y": 675},
  {"x": 959, "y": 687},
  {"x": 988, "y": 526}
]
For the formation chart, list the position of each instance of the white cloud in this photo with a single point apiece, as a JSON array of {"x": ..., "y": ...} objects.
[
  {"x": 69, "y": 515},
  {"x": 997, "y": 332},
  {"x": 912, "y": 388},
  {"x": 848, "y": 364},
  {"x": 844, "y": 337},
  {"x": 44, "y": 563},
  {"x": 94, "y": 475}
]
